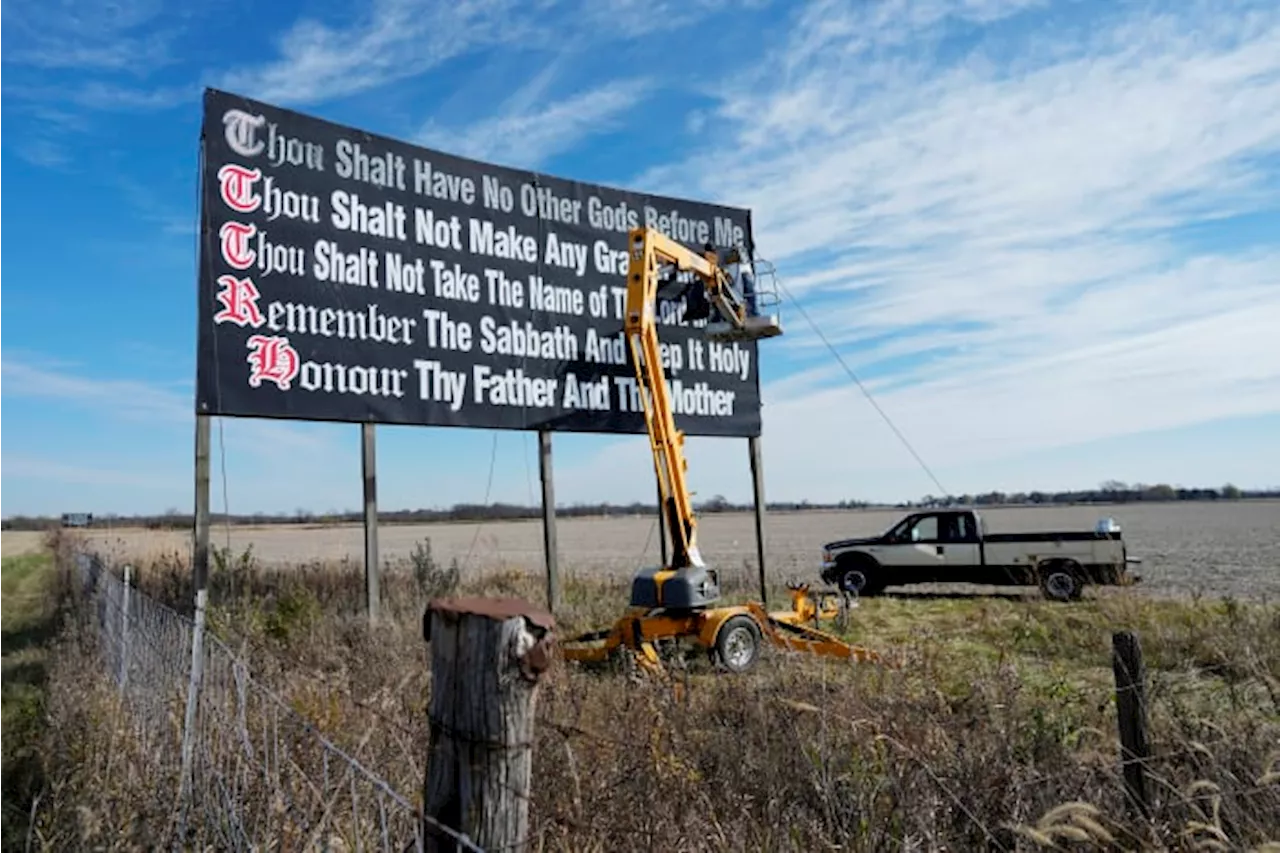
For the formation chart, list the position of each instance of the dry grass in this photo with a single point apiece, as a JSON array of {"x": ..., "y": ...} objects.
[
  {"x": 996, "y": 732},
  {"x": 19, "y": 543}
]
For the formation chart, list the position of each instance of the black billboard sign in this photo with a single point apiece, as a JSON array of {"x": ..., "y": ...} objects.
[{"x": 346, "y": 276}]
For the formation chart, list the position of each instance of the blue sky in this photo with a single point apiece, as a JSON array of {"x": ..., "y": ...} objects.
[{"x": 1044, "y": 234}]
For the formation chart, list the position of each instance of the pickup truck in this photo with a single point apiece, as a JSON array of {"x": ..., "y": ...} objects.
[{"x": 953, "y": 546}]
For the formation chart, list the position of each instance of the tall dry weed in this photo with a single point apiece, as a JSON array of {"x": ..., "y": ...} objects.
[{"x": 996, "y": 733}]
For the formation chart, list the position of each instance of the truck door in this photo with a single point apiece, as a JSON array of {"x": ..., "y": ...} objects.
[
  {"x": 959, "y": 543},
  {"x": 916, "y": 551}
]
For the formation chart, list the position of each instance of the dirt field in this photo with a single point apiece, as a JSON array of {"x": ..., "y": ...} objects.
[{"x": 1218, "y": 549}]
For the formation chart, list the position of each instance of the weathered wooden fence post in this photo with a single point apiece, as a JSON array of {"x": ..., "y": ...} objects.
[
  {"x": 1131, "y": 717},
  {"x": 487, "y": 656}
]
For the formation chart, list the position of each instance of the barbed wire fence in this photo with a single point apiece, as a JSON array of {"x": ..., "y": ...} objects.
[{"x": 248, "y": 771}]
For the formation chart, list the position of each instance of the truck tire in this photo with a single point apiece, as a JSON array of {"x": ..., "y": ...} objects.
[
  {"x": 737, "y": 645},
  {"x": 1061, "y": 580},
  {"x": 860, "y": 576}
]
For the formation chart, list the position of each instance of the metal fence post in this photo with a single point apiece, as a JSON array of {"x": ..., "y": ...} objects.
[
  {"x": 124, "y": 627},
  {"x": 193, "y": 691}
]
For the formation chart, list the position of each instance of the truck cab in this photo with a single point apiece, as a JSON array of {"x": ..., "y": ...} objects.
[{"x": 954, "y": 545}]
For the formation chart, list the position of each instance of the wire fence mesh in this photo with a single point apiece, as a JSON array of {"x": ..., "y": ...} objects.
[{"x": 249, "y": 772}]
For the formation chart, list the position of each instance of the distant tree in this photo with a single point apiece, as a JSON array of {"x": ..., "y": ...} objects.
[
  {"x": 717, "y": 503},
  {"x": 1231, "y": 492}
]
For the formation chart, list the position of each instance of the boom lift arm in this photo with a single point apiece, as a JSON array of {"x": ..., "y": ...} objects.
[
  {"x": 676, "y": 600},
  {"x": 650, "y": 250}
]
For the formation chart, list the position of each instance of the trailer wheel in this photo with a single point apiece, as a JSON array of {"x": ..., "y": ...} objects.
[
  {"x": 1059, "y": 582},
  {"x": 738, "y": 643}
]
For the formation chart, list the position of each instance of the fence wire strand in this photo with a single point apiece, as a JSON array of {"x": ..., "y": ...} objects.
[{"x": 261, "y": 775}]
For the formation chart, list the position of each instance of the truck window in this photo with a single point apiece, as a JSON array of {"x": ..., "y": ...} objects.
[
  {"x": 960, "y": 528},
  {"x": 925, "y": 530}
]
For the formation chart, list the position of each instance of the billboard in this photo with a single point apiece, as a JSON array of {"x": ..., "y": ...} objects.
[{"x": 345, "y": 276}]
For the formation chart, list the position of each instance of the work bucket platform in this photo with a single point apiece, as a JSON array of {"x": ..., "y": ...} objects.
[
  {"x": 753, "y": 329},
  {"x": 758, "y": 320}
]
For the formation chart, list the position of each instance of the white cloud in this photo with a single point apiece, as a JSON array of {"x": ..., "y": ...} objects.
[
  {"x": 44, "y": 469},
  {"x": 155, "y": 404},
  {"x": 126, "y": 397},
  {"x": 394, "y": 40},
  {"x": 83, "y": 56},
  {"x": 971, "y": 427},
  {"x": 524, "y": 135},
  {"x": 122, "y": 36},
  {"x": 1022, "y": 204},
  {"x": 96, "y": 95},
  {"x": 402, "y": 39},
  {"x": 43, "y": 152}
]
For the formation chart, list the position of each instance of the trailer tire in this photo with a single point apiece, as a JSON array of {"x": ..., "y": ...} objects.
[
  {"x": 737, "y": 645},
  {"x": 1061, "y": 581}
]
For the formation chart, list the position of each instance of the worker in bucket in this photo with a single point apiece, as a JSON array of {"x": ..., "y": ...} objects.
[
  {"x": 738, "y": 267},
  {"x": 743, "y": 279}
]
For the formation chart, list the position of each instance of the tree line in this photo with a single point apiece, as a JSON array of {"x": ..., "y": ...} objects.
[{"x": 1111, "y": 492}]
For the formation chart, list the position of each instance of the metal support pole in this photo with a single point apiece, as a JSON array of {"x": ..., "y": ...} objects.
[
  {"x": 757, "y": 482},
  {"x": 193, "y": 698},
  {"x": 369, "y": 465},
  {"x": 200, "y": 551},
  {"x": 549, "y": 520}
]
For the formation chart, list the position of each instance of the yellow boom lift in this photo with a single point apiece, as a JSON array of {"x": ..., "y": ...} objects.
[{"x": 679, "y": 600}]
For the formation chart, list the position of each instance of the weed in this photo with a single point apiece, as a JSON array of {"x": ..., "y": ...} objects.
[
  {"x": 998, "y": 732},
  {"x": 432, "y": 580}
]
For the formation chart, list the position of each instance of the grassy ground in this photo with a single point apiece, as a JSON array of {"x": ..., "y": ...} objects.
[
  {"x": 29, "y": 623},
  {"x": 993, "y": 729}
]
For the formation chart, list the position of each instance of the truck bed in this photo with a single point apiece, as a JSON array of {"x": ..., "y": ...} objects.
[{"x": 1053, "y": 536}]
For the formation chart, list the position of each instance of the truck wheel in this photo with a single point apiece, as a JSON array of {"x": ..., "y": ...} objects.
[
  {"x": 859, "y": 578},
  {"x": 1059, "y": 583},
  {"x": 738, "y": 643},
  {"x": 853, "y": 580}
]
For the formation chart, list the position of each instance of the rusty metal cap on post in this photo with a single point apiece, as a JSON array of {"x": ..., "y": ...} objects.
[{"x": 499, "y": 609}]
